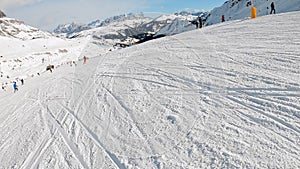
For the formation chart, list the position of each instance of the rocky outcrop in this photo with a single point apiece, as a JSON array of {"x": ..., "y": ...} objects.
[{"x": 2, "y": 14}]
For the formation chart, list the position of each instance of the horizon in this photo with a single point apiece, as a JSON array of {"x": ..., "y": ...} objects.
[{"x": 47, "y": 15}]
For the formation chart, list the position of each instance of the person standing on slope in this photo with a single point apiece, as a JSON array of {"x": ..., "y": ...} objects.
[
  {"x": 15, "y": 86},
  {"x": 200, "y": 21},
  {"x": 272, "y": 8},
  {"x": 84, "y": 59}
]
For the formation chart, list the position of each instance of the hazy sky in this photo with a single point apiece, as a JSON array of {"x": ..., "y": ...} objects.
[{"x": 47, "y": 14}]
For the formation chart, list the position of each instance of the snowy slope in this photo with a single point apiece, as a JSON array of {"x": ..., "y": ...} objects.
[
  {"x": 27, "y": 51},
  {"x": 225, "y": 96},
  {"x": 240, "y": 9},
  {"x": 14, "y": 28}
]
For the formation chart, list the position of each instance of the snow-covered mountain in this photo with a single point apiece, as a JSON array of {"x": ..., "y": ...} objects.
[
  {"x": 173, "y": 24},
  {"x": 132, "y": 28},
  {"x": 70, "y": 28},
  {"x": 14, "y": 28},
  {"x": 225, "y": 96},
  {"x": 131, "y": 20},
  {"x": 118, "y": 18},
  {"x": 240, "y": 9}
]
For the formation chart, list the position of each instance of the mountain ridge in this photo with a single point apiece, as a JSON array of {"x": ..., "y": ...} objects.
[{"x": 2, "y": 14}]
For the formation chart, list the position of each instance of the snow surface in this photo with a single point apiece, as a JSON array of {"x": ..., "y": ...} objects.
[{"x": 225, "y": 96}]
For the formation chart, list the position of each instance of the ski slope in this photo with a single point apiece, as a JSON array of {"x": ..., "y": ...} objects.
[
  {"x": 226, "y": 96},
  {"x": 240, "y": 9}
]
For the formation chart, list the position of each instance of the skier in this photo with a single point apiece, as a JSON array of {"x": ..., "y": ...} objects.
[
  {"x": 50, "y": 67},
  {"x": 15, "y": 86},
  {"x": 223, "y": 18},
  {"x": 195, "y": 22},
  {"x": 272, "y": 8},
  {"x": 200, "y": 21},
  {"x": 84, "y": 59},
  {"x": 3, "y": 87},
  {"x": 22, "y": 81}
]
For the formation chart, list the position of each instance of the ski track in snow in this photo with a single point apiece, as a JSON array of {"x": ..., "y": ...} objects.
[{"x": 226, "y": 96}]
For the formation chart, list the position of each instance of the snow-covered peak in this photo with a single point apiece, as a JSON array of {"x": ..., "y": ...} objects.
[
  {"x": 173, "y": 17},
  {"x": 73, "y": 28},
  {"x": 174, "y": 23},
  {"x": 115, "y": 29},
  {"x": 10, "y": 27},
  {"x": 194, "y": 12},
  {"x": 240, "y": 9},
  {"x": 118, "y": 18},
  {"x": 70, "y": 28}
]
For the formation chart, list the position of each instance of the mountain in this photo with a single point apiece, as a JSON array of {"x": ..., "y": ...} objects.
[
  {"x": 225, "y": 96},
  {"x": 14, "y": 28},
  {"x": 173, "y": 24},
  {"x": 131, "y": 28},
  {"x": 118, "y": 18},
  {"x": 240, "y": 9},
  {"x": 128, "y": 28},
  {"x": 193, "y": 12},
  {"x": 70, "y": 28}
]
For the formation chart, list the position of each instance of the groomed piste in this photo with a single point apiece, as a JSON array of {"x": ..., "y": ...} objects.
[{"x": 225, "y": 96}]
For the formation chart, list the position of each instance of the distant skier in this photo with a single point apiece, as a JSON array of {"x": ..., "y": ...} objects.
[
  {"x": 22, "y": 81},
  {"x": 15, "y": 86},
  {"x": 84, "y": 59},
  {"x": 223, "y": 18},
  {"x": 200, "y": 21},
  {"x": 3, "y": 87},
  {"x": 272, "y": 8},
  {"x": 195, "y": 22},
  {"x": 50, "y": 67}
]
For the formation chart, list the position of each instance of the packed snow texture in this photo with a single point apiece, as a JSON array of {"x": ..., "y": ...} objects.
[{"x": 225, "y": 96}]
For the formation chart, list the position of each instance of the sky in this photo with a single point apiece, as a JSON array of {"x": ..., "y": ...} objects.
[{"x": 48, "y": 14}]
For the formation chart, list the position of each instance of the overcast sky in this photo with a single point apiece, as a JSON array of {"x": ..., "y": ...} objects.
[{"x": 47, "y": 14}]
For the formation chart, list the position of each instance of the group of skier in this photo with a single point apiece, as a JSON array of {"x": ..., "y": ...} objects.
[
  {"x": 199, "y": 21},
  {"x": 15, "y": 86},
  {"x": 273, "y": 11},
  {"x": 50, "y": 67}
]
